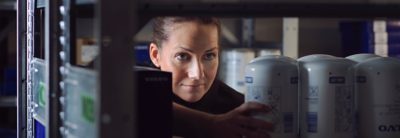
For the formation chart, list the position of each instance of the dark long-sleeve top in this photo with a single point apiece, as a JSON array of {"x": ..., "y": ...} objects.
[{"x": 219, "y": 99}]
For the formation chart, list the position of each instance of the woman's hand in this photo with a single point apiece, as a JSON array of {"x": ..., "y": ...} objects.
[{"x": 237, "y": 123}]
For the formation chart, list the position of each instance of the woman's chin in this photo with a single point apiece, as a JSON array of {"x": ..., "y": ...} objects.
[
  {"x": 190, "y": 94},
  {"x": 192, "y": 97}
]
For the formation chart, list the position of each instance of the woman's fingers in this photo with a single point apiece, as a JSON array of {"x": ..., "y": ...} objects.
[
  {"x": 244, "y": 132},
  {"x": 251, "y": 107},
  {"x": 238, "y": 123},
  {"x": 252, "y": 123}
]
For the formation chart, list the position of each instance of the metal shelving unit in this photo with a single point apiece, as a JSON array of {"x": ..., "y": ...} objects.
[
  {"x": 247, "y": 9},
  {"x": 109, "y": 101},
  {"x": 72, "y": 109},
  {"x": 8, "y": 101},
  {"x": 7, "y": 9},
  {"x": 8, "y": 5},
  {"x": 8, "y": 98},
  {"x": 21, "y": 69}
]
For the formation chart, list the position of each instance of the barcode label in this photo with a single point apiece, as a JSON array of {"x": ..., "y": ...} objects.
[
  {"x": 337, "y": 80},
  {"x": 288, "y": 122},
  {"x": 249, "y": 79},
  {"x": 361, "y": 79},
  {"x": 312, "y": 122},
  {"x": 344, "y": 111},
  {"x": 294, "y": 80}
]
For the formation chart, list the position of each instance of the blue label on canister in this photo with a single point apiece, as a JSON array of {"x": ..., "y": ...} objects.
[
  {"x": 361, "y": 79},
  {"x": 288, "y": 122},
  {"x": 337, "y": 80},
  {"x": 249, "y": 79},
  {"x": 312, "y": 122},
  {"x": 294, "y": 80}
]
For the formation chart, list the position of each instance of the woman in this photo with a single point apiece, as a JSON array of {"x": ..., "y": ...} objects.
[{"x": 203, "y": 107}]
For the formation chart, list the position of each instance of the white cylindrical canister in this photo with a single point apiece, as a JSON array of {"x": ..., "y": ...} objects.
[
  {"x": 273, "y": 80},
  {"x": 327, "y": 97},
  {"x": 232, "y": 67},
  {"x": 378, "y": 88},
  {"x": 265, "y": 52},
  {"x": 361, "y": 57}
]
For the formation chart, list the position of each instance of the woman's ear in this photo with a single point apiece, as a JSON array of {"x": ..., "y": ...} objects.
[{"x": 154, "y": 54}]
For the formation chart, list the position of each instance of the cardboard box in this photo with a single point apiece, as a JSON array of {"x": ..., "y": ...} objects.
[{"x": 86, "y": 51}]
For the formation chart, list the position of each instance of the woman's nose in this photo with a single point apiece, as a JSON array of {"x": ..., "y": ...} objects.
[{"x": 195, "y": 70}]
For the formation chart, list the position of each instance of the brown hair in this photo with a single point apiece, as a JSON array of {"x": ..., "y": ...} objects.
[{"x": 160, "y": 33}]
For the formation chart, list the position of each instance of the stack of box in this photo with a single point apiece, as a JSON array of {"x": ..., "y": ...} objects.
[
  {"x": 387, "y": 38},
  {"x": 381, "y": 37},
  {"x": 142, "y": 57},
  {"x": 86, "y": 51},
  {"x": 9, "y": 87}
]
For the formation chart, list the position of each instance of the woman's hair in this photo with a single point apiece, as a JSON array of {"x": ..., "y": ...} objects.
[{"x": 160, "y": 24}]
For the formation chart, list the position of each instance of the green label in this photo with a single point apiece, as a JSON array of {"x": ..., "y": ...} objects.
[
  {"x": 88, "y": 108},
  {"x": 42, "y": 94}
]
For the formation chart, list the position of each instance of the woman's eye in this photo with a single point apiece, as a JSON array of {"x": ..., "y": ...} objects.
[
  {"x": 210, "y": 56},
  {"x": 182, "y": 56}
]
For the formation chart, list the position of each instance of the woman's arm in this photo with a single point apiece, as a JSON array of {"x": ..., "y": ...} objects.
[
  {"x": 236, "y": 123},
  {"x": 189, "y": 122}
]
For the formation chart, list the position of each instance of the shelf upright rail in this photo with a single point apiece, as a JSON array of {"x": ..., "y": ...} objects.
[
  {"x": 116, "y": 22},
  {"x": 53, "y": 55},
  {"x": 30, "y": 8},
  {"x": 21, "y": 68}
]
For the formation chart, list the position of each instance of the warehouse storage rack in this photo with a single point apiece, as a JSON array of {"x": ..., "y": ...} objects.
[
  {"x": 7, "y": 14},
  {"x": 8, "y": 97},
  {"x": 50, "y": 87},
  {"x": 71, "y": 101}
]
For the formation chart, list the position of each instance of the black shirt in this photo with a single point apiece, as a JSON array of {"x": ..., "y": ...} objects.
[{"x": 219, "y": 99}]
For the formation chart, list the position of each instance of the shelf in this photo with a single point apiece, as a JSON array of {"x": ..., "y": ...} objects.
[
  {"x": 42, "y": 3},
  {"x": 84, "y": 8},
  {"x": 280, "y": 1},
  {"x": 8, "y": 101},
  {"x": 266, "y": 9},
  {"x": 256, "y": 8},
  {"x": 8, "y": 5},
  {"x": 83, "y": 2}
]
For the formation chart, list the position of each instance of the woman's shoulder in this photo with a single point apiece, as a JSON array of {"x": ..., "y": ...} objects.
[
  {"x": 226, "y": 91},
  {"x": 225, "y": 98},
  {"x": 219, "y": 99}
]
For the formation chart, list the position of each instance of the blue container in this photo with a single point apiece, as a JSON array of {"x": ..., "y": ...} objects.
[
  {"x": 359, "y": 36},
  {"x": 356, "y": 38},
  {"x": 10, "y": 74},
  {"x": 394, "y": 50},
  {"x": 1, "y": 89},
  {"x": 8, "y": 133},
  {"x": 9, "y": 86},
  {"x": 40, "y": 130},
  {"x": 142, "y": 57}
]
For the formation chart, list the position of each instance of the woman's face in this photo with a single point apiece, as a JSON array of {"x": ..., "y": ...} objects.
[{"x": 191, "y": 54}]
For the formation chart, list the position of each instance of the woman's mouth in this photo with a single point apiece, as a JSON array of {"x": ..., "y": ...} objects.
[{"x": 192, "y": 85}]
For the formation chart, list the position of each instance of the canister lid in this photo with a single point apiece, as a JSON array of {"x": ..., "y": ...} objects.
[
  {"x": 274, "y": 58},
  {"x": 361, "y": 57},
  {"x": 315, "y": 57},
  {"x": 379, "y": 62}
]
